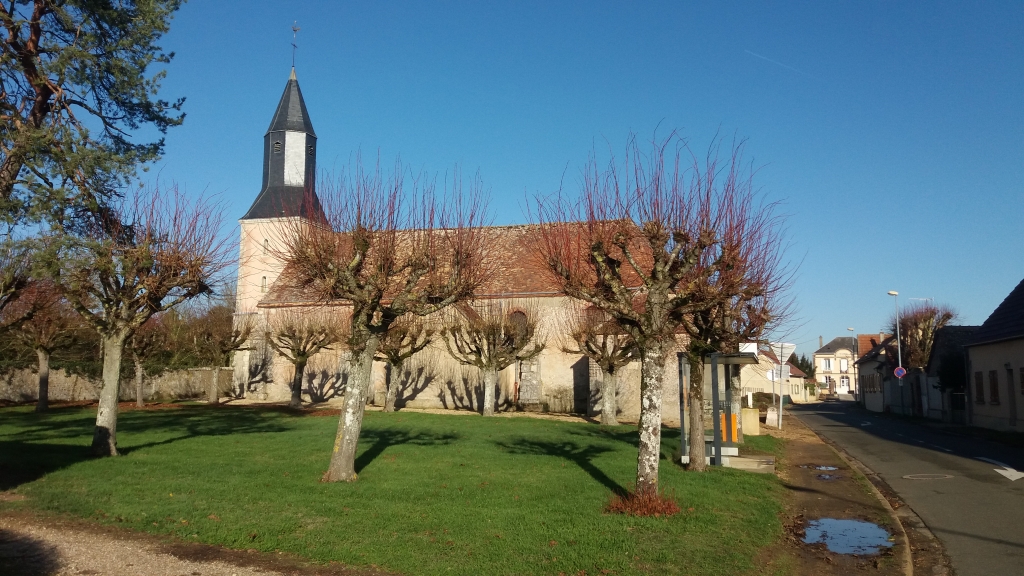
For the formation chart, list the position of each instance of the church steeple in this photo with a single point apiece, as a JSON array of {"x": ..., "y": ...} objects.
[{"x": 289, "y": 161}]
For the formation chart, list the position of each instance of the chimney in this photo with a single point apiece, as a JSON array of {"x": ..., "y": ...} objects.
[{"x": 820, "y": 344}]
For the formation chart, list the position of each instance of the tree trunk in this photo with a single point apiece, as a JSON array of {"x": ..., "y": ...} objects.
[
  {"x": 104, "y": 438},
  {"x": 652, "y": 374},
  {"x": 696, "y": 397},
  {"x": 609, "y": 408},
  {"x": 343, "y": 458},
  {"x": 300, "y": 369},
  {"x": 490, "y": 383},
  {"x": 140, "y": 394},
  {"x": 392, "y": 393},
  {"x": 43, "y": 403},
  {"x": 9, "y": 171}
]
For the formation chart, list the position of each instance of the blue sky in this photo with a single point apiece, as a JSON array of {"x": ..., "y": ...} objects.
[{"x": 892, "y": 131}]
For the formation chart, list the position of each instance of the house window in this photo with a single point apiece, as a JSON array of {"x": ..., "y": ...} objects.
[
  {"x": 277, "y": 147},
  {"x": 826, "y": 364},
  {"x": 844, "y": 364},
  {"x": 993, "y": 387},
  {"x": 263, "y": 284},
  {"x": 266, "y": 245},
  {"x": 979, "y": 388}
]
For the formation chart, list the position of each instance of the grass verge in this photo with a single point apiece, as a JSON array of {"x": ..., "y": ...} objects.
[{"x": 436, "y": 494}]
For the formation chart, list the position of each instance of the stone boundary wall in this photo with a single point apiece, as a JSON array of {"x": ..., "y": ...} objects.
[{"x": 23, "y": 385}]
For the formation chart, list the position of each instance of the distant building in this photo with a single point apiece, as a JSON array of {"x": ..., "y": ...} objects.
[
  {"x": 764, "y": 377},
  {"x": 945, "y": 396},
  {"x": 874, "y": 376},
  {"x": 835, "y": 366},
  {"x": 995, "y": 367}
]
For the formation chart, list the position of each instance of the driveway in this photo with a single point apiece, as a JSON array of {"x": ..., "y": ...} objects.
[{"x": 977, "y": 512}]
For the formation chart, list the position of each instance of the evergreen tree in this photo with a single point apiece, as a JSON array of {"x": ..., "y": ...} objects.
[{"x": 77, "y": 83}]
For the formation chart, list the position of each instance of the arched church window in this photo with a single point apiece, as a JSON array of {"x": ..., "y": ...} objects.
[
  {"x": 266, "y": 245},
  {"x": 277, "y": 147},
  {"x": 309, "y": 149},
  {"x": 263, "y": 284}
]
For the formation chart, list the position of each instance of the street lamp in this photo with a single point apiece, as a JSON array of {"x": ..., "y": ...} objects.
[{"x": 899, "y": 347}]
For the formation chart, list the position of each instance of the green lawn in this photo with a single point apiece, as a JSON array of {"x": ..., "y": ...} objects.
[{"x": 437, "y": 494}]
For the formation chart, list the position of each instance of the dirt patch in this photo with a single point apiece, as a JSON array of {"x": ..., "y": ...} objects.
[{"x": 819, "y": 484}]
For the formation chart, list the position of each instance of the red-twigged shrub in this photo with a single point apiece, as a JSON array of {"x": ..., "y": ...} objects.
[{"x": 643, "y": 504}]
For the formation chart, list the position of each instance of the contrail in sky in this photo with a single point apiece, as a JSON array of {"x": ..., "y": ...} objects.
[{"x": 777, "y": 63}]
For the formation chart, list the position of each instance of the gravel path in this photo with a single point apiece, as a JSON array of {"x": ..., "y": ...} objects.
[
  {"x": 31, "y": 549},
  {"x": 34, "y": 546}
]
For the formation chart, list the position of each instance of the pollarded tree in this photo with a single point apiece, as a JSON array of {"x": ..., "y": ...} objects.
[
  {"x": 593, "y": 333},
  {"x": 298, "y": 335},
  {"x": 492, "y": 335},
  {"x": 220, "y": 331},
  {"x": 386, "y": 250},
  {"x": 628, "y": 247},
  {"x": 161, "y": 250},
  {"x": 740, "y": 283},
  {"x": 50, "y": 324},
  {"x": 78, "y": 84},
  {"x": 147, "y": 341},
  {"x": 406, "y": 336},
  {"x": 918, "y": 325}
]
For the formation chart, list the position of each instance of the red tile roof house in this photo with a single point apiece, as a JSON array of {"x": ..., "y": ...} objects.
[{"x": 995, "y": 367}]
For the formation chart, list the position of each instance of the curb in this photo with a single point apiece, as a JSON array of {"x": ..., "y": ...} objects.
[{"x": 907, "y": 559}]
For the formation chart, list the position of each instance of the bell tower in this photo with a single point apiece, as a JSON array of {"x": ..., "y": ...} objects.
[{"x": 288, "y": 193}]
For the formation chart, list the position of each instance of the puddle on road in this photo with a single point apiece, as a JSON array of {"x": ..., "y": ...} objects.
[
  {"x": 847, "y": 536},
  {"x": 829, "y": 476}
]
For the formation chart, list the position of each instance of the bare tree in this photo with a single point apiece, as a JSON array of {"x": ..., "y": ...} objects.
[
  {"x": 492, "y": 335},
  {"x": 220, "y": 331},
  {"x": 741, "y": 284},
  {"x": 591, "y": 332},
  {"x": 148, "y": 340},
  {"x": 162, "y": 250},
  {"x": 918, "y": 325},
  {"x": 629, "y": 247},
  {"x": 49, "y": 323},
  {"x": 297, "y": 336},
  {"x": 388, "y": 251},
  {"x": 406, "y": 336}
]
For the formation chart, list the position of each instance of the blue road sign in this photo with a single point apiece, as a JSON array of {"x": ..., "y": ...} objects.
[{"x": 900, "y": 371}]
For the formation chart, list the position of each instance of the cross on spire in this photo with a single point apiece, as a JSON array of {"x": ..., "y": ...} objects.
[{"x": 295, "y": 32}]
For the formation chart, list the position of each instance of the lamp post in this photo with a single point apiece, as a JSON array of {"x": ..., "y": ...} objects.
[{"x": 899, "y": 345}]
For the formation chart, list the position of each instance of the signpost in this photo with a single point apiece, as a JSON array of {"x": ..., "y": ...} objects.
[{"x": 782, "y": 351}]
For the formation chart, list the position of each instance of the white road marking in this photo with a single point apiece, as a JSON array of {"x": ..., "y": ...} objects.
[
  {"x": 1007, "y": 471},
  {"x": 865, "y": 423}
]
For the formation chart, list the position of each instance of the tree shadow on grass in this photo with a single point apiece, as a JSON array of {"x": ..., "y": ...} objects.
[
  {"x": 37, "y": 449},
  {"x": 571, "y": 451},
  {"x": 381, "y": 439}
]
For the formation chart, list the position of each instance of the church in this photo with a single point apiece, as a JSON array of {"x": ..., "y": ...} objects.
[{"x": 555, "y": 381}]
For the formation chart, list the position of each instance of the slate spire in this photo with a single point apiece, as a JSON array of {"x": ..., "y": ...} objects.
[{"x": 289, "y": 161}]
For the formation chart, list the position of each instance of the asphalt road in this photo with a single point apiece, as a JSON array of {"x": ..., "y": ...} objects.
[{"x": 977, "y": 513}]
